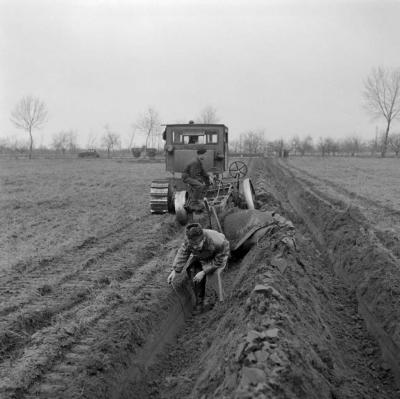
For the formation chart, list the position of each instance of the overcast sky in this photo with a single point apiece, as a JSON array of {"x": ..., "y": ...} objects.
[{"x": 288, "y": 67}]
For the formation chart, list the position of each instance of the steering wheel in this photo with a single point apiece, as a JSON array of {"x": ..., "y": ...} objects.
[{"x": 238, "y": 169}]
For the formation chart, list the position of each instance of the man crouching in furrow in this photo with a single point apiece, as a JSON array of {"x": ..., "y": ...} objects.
[{"x": 203, "y": 251}]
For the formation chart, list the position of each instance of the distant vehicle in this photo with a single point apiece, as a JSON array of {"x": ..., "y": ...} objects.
[{"x": 90, "y": 153}]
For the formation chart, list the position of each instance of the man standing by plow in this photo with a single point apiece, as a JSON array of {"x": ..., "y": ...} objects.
[{"x": 205, "y": 254}]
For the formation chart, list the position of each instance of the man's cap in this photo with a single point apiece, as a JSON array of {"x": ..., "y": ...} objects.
[
  {"x": 201, "y": 151},
  {"x": 194, "y": 232}
]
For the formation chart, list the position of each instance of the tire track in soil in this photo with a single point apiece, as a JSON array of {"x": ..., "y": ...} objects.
[
  {"x": 31, "y": 310},
  {"x": 21, "y": 287},
  {"x": 378, "y": 214},
  {"x": 129, "y": 249},
  {"x": 178, "y": 369},
  {"x": 348, "y": 194},
  {"x": 21, "y": 276},
  {"x": 85, "y": 353},
  {"x": 107, "y": 345}
]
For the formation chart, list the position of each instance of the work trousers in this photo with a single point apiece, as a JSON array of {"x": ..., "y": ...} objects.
[
  {"x": 198, "y": 188},
  {"x": 198, "y": 288}
]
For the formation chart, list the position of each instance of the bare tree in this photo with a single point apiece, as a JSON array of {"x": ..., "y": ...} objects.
[
  {"x": 15, "y": 146},
  {"x": 29, "y": 113},
  {"x": 323, "y": 146},
  {"x": 333, "y": 146},
  {"x": 71, "y": 145},
  {"x": 394, "y": 142},
  {"x": 328, "y": 146},
  {"x": 235, "y": 146},
  {"x": 306, "y": 145},
  {"x": 132, "y": 135},
  {"x": 149, "y": 124},
  {"x": 60, "y": 141},
  {"x": 374, "y": 145},
  {"x": 254, "y": 142},
  {"x": 91, "y": 141},
  {"x": 64, "y": 140},
  {"x": 4, "y": 146},
  {"x": 278, "y": 147},
  {"x": 352, "y": 145},
  {"x": 295, "y": 144},
  {"x": 110, "y": 140},
  {"x": 208, "y": 115},
  {"x": 382, "y": 97}
]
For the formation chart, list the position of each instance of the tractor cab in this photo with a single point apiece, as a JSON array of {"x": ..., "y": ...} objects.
[{"x": 182, "y": 142}]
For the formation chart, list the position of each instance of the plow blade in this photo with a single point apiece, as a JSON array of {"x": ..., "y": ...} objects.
[{"x": 248, "y": 225}]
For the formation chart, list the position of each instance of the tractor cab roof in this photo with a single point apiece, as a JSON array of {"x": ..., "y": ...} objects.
[{"x": 197, "y": 125}]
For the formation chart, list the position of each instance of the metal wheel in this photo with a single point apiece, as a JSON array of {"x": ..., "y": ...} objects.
[
  {"x": 171, "y": 197},
  {"x": 180, "y": 211},
  {"x": 182, "y": 216},
  {"x": 249, "y": 193},
  {"x": 238, "y": 169}
]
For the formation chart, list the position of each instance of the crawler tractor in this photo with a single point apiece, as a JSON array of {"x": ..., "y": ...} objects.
[{"x": 229, "y": 187}]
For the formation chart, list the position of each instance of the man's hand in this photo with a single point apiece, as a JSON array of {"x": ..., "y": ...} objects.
[
  {"x": 199, "y": 276},
  {"x": 171, "y": 277}
]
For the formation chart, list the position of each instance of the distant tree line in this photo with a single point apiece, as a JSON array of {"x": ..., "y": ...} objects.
[
  {"x": 31, "y": 113},
  {"x": 249, "y": 143},
  {"x": 381, "y": 100},
  {"x": 253, "y": 143}
]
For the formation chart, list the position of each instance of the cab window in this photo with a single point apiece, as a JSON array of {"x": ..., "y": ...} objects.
[
  {"x": 212, "y": 138},
  {"x": 176, "y": 137},
  {"x": 192, "y": 139},
  {"x": 195, "y": 137}
]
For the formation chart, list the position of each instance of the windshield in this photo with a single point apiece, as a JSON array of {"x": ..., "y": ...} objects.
[{"x": 195, "y": 136}]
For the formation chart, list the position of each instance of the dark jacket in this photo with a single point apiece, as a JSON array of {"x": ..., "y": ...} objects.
[
  {"x": 196, "y": 171},
  {"x": 213, "y": 255}
]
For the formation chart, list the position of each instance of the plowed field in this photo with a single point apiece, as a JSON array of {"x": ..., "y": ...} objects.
[{"x": 86, "y": 311}]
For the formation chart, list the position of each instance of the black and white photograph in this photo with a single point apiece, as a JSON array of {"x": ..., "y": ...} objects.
[{"x": 200, "y": 199}]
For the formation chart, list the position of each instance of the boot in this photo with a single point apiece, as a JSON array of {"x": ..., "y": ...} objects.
[
  {"x": 199, "y": 307},
  {"x": 197, "y": 205},
  {"x": 208, "y": 304}
]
